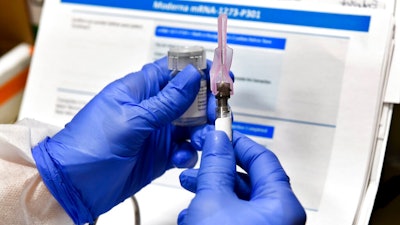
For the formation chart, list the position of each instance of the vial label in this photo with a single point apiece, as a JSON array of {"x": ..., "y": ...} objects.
[
  {"x": 199, "y": 106},
  {"x": 178, "y": 59}
]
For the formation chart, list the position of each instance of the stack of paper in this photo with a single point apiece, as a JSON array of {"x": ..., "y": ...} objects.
[{"x": 310, "y": 84}]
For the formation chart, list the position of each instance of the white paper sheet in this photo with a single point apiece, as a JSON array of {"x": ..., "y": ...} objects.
[
  {"x": 308, "y": 86},
  {"x": 371, "y": 4},
  {"x": 393, "y": 88}
]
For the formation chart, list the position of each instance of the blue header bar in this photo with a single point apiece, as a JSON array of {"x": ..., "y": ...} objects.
[
  {"x": 210, "y": 36},
  {"x": 250, "y": 13}
]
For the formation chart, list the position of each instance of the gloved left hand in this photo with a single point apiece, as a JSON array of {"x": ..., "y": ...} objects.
[{"x": 119, "y": 142}]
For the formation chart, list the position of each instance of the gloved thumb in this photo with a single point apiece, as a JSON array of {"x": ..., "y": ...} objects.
[
  {"x": 174, "y": 99},
  {"x": 216, "y": 175},
  {"x": 218, "y": 166}
]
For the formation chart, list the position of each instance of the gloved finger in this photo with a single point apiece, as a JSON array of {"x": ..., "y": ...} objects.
[
  {"x": 184, "y": 156},
  {"x": 260, "y": 163},
  {"x": 211, "y": 108},
  {"x": 173, "y": 100},
  {"x": 198, "y": 135},
  {"x": 188, "y": 180},
  {"x": 217, "y": 170},
  {"x": 182, "y": 216},
  {"x": 268, "y": 179},
  {"x": 243, "y": 187},
  {"x": 148, "y": 81}
]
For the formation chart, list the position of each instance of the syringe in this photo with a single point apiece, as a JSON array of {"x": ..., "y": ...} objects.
[{"x": 221, "y": 82}]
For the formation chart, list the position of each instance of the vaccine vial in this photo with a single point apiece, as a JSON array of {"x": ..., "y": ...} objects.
[{"x": 178, "y": 59}]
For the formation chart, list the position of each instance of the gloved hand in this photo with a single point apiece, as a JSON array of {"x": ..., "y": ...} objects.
[
  {"x": 270, "y": 199},
  {"x": 120, "y": 141}
]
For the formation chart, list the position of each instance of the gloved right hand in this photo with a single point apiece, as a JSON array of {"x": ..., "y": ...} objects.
[
  {"x": 120, "y": 141},
  {"x": 270, "y": 201}
]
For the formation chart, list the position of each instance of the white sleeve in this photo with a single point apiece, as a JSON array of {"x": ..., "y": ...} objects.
[{"x": 24, "y": 197}]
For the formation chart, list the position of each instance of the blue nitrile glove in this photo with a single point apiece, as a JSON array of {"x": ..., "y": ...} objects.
[
  {"x": 271, "y": 200},
  {"x": 120, "y": 141}
]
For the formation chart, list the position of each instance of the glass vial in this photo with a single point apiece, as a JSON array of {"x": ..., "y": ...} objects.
[{"x": 178, "y": 59}]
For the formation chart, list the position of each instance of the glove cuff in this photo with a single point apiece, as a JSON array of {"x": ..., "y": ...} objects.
[{"x": 59, "y": 187}]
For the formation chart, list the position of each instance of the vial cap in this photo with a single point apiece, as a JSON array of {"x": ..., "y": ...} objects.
[{"x": 180, "y": 57}]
